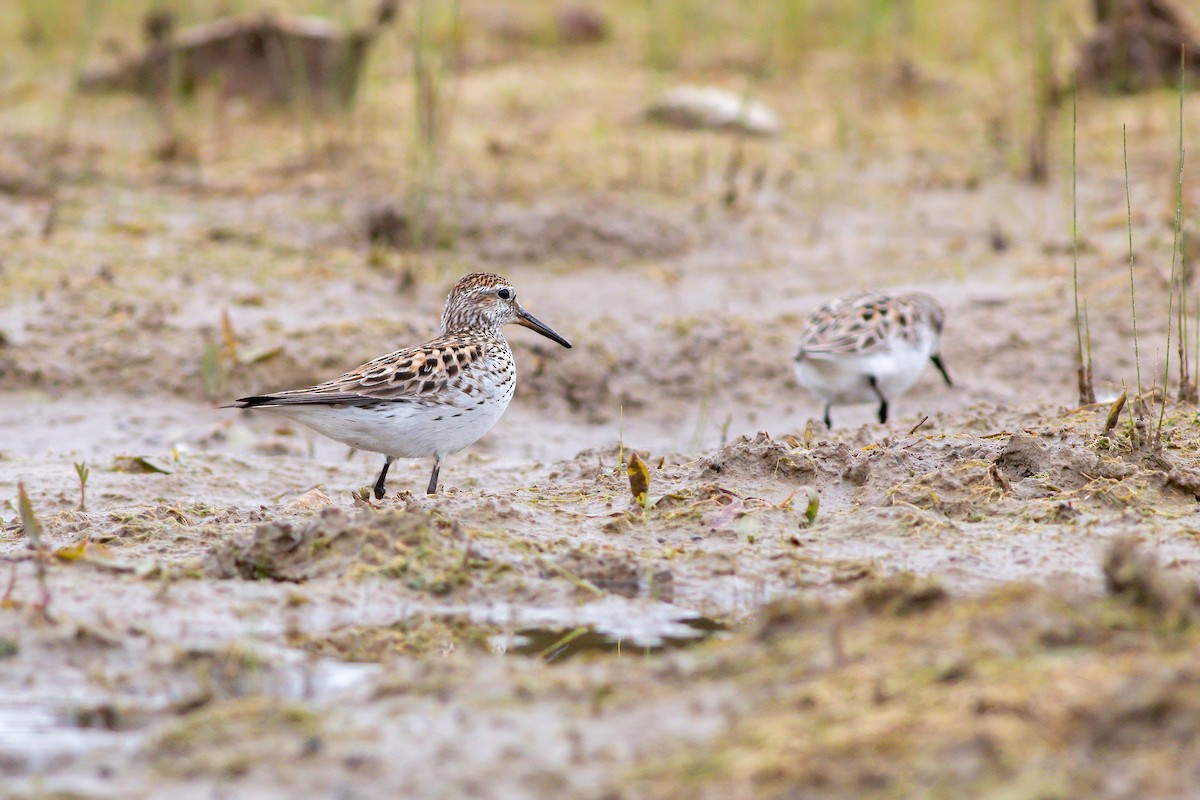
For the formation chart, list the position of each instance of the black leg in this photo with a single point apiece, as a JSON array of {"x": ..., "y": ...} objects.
[
  {"x": 380, "y": 484},
  {"x": 433, "y": 479},
  {"x": 828, "y": 422},
  {"x": 882, "y": 399},
  {"x": 937, "y": 362}
]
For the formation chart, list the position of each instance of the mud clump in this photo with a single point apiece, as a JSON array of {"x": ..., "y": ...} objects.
[
  {"x": 268, "y": 59},
  {"x": 1137, "y": 46},
  {"x": 1149, "y": 710},
  {"x": 976, "y": 478},
  {"x": 581, "y": 231},
  {"x": 1061, "y": 464},
  {"x": 1185, "y": 479},
  {"x": 589, "y": 231},
  {"x": 786, "y": 617},
  {"x": 761, "y": 454},
  {"x": 1132, "y": 573},
  {"x": 230, "y": 738},
  {"x": 616, "y": 573},
  {"x": 901, "y": 595},
  {"x": 610, "y": 573},
  {"x": 580, "y": 24},
  {"x": 416, "y": 637},
  {"x": 958, "y": 491},
  {"x": 888, "y": 704},
  {"x": 424, "y": 551},
  {"x": 898, "y": 595},
  {"x": 394, "y": 226}
]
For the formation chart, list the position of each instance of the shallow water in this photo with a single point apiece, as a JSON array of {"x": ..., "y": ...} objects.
[{"x": 560, "y": 644}]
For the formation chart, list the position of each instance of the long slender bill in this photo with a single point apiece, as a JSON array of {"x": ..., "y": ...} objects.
[{"x": 527, "y": 320}]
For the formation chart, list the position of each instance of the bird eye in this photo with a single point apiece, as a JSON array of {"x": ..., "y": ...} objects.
[{"x": 504, "y": 294}]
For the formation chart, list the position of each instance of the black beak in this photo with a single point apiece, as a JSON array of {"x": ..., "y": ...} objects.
[
  {"x": 937, "y": 362},
  {"x": 527, "y": 320}
]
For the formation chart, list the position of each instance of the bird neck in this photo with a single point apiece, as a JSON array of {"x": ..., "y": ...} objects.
[
  {"x": 458, "y": 325},
  {"x": 458, "y": 320}
]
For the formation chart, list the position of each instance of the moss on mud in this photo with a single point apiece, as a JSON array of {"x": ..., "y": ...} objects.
[
  {"x": 1023, "y": 689},
  {"x": 425, "y": 551}
]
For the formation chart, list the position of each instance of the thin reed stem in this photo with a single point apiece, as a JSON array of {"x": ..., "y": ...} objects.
[
  {"x": 1075, "y": 222},
  {"x": 1087, "y": 392},
  {"x": 1087, "y": 331},
  {"x": 1132, "y": 292},
  {"x": 1187, "y": 392},
  {"x": 1171, "y": 304}
]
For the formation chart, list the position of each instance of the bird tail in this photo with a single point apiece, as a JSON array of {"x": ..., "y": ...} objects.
[{"x": 305, "y": 399}]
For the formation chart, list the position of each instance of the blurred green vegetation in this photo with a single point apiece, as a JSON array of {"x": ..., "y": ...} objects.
[{"x": 484, "y": 93}]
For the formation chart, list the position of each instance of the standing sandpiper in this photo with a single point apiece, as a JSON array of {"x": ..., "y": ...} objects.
[
  {"x": 870, "y": 346},
  {"x": 427, "y": 401}
]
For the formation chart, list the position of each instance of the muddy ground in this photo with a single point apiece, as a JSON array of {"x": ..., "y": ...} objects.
[{"x": 221, "y": 615}]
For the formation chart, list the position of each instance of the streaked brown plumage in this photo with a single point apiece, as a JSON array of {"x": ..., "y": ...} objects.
[
  {"x": 869, "y": 346},
  {"x": 426, "y": 401}
]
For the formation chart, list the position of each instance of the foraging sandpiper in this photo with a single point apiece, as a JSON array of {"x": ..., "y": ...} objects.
[
  {"x": 427, "y": 401},
  {"x": 869, "y": 346}
]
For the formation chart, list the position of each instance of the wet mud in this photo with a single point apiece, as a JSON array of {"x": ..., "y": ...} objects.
[{"x": 995, "y": 590}]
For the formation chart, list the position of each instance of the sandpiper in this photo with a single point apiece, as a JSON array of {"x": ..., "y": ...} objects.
[
  {"x": 427, "y": 401},
  {"x": 870, "y": 346}
]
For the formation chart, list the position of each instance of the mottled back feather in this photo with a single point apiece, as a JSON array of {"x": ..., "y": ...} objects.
[
  {"x": 469, "y": 359},
  {"x": 446, "y": 370},
  {"x": 865, "y": 322}
]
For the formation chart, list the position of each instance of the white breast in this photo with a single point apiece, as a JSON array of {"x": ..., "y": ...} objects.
[
  {"x": 413, "y": 428},
  {"x": 843, "y": 378}
]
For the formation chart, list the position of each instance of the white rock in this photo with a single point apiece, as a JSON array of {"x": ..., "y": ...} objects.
[
  {"x": 312, "y": 500},
  {"x": 710, "y": 107}
]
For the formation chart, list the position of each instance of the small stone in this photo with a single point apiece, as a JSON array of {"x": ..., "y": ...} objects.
[
  {"x": 710, "y": 107},
  {"x": 312, "y": 500},
  {"x": 578, "y": 24}
]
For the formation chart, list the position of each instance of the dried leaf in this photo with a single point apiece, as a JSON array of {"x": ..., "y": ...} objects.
[
  {"x": 1114, "y": 413},
  {"x": 814, "y": 504},
  {"x": 33, "y": 530},
  {"x": 729, "y": 512},
  {"x": 210, "y": 368},
  {"x": 229, "y": 338},
  {"x": 29, "y": 520},
  {"x": 72, "y": 552},
  {"x": 639, "y": 478},
  {"x": 140, "y": 465},
  {"x": 261, "y": 354},
  {"x": 312, "y": 500},
  {"x": 362, "y": 498},
  {"x": 736, "y": 511}
]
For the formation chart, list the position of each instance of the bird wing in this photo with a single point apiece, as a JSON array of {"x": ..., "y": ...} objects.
[
  {"x": 437, "y": 371},
  {"x": 854, "y": 325}
]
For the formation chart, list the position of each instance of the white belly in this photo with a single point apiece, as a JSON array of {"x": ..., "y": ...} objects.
[
  {"x": 846, "y": 379},
  {"x": 403, "y": 429}
]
